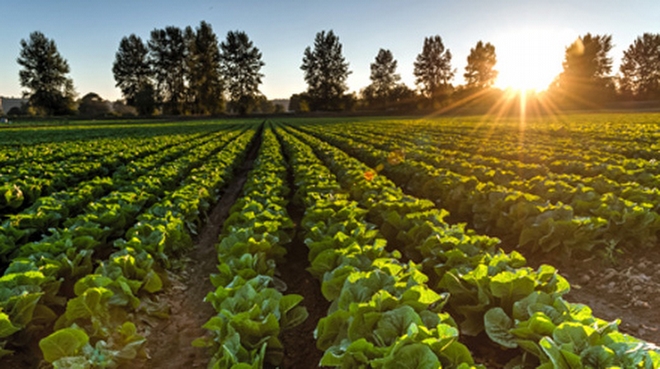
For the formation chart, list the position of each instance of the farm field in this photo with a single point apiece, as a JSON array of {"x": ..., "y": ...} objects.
[{"x": 452, "y": 242}]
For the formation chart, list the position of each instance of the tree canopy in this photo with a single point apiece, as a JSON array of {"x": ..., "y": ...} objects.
[
  {"x": 167, "y": 55},
  {"x": 383, "y": 72},
  {"x": 241, "y": 66},
  {"x": 480, "y": 70},
  {"x": 384, "y": 79},
  {"x": 326, "y": 71},
  {"x": 585, "y": 79},
  {"x": 205, "y": 87},
  {"x": 44, "y": 74},
  {"x": 433, "y": 71},
  {"x": 133, "y": 74},
  {"x": 189, "y": 71},
  {"x": 640, "y": 68}
]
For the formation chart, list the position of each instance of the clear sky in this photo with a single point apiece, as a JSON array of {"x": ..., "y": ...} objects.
[{"x": 87, "y": 33}]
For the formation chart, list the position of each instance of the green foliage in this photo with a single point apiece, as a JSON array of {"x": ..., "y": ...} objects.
[
  {"x": 167, "y": 56},
  {"x": 205, "y": 86},
  {"x": 640, "y": 68},
  {"x": 382, "y": 314},
  {"x": 326, "y": 72},
  {"x": 133, "y": 74},
  {"x": 357, "y": 225},
  {"x": 479, "y": 71},
  {"x": 241, "y": 64},
  {"x": 63, "y": 343},
  {"x": 124, "y": 281},
  {"x": 44, "y": 75},
  {"x": 251, "y": 313},
  {"x": 519, "y": 308},
  {"x": 433, "y": 71}
]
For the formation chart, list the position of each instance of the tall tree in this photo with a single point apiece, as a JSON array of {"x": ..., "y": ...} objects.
[
  {"x": 133, "y": 74},
  {"x": 44, "y": 75},
  {"x": 480, "y": 72},
  {"x": 585, "y": 79},
  {"x": 167, "y": 54},
  {"x": 203, "y": 65},
  {"x": 640, "y": 68},
  {"x": 384, "y": 79},
  {"x": 241, "y": 65},
  {"x": 326, "y": 72},
  {"x": 433, "y": 71},
  {"x": 383, "y": 72}
]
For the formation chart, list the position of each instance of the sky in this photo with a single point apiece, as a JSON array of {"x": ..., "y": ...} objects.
[{"x": 530, "y": 36}]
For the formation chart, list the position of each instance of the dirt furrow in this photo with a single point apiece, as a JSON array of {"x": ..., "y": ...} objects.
[{"x": 169, "y": 343}]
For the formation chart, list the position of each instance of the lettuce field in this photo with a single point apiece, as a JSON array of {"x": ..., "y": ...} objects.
[{"x": 460, "y": 242}]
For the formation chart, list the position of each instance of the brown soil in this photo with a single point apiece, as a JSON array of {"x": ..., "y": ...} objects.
[
  {"x": 299, "y": 343},
  {"x": 169, "y": 341},
  {"x": 626, "y": 289}
]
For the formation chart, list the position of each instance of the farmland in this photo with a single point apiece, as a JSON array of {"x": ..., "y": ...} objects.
[{"x": 350, "y": 242}]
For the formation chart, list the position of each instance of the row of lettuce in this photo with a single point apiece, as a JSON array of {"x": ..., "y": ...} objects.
[
  {"x": 83, "y": 285},
  {"x": 51, "y": 211},
  {"x": 532, "y": 205},
  {"x": 409, "y": 304},
  {"x": 251, "y": 308},
  {"x": 383, "y": 313},
  {"x": 490, "y": 292},
  {"x": 405, "y": 287},
  {"x": 32, "y": 170}
]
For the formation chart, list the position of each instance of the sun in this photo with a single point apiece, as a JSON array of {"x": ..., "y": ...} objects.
[{"x": 529, "y": 59}]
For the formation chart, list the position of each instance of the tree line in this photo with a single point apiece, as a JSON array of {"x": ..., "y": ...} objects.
[
  {"x": 175, "y": 72},
  {"x": 189, "y": 71}
]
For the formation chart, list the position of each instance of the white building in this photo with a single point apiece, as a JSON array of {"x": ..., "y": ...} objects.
[{"x": 10, "y": 102}]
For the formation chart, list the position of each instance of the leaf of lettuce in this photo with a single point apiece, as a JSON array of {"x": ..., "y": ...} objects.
[
  {"x": 291, "y": 314},
  {"x": 6, "y": 326},
  {"x": 331, "y": 329},
  {"x": 497, "y": 324},
  {"x": 62, "y": 343},
  {"x": 412, "y": 356},
  {"x": 394, "y": 324}
]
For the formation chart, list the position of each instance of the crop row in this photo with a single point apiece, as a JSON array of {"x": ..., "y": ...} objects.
[
  {"x": 579, "y": 167},
  {"x": 627, "y": 196},
  {"x": 26, "y": 181},
  {"x": 53, "y": 282},
  {"x": 519, "y": 309},
  {"x": 406, "y": 288},
  {"x": 33, "y": 136},
  {"x": 383, "y": 313},
  {"x": 538, "y": 142},
  {"x": 51, "y": 211},
  {"x": 584, "y": 181},
  {"x": 530, "y": 221},
  {"x": 251, "y": 311}
]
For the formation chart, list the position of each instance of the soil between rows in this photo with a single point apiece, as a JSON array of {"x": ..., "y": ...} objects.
[
  {"x": 299, "y": 343},
  {"x": 626, "y": 287},
  {"x": 169, "y": 341}
]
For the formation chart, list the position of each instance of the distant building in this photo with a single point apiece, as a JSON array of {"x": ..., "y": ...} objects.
[
  {"x": 11, "y": 102},
  {"x": 282, "y": 102}
]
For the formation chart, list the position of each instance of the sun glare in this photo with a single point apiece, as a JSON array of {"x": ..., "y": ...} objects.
[{"x": 529, "y": 59}]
